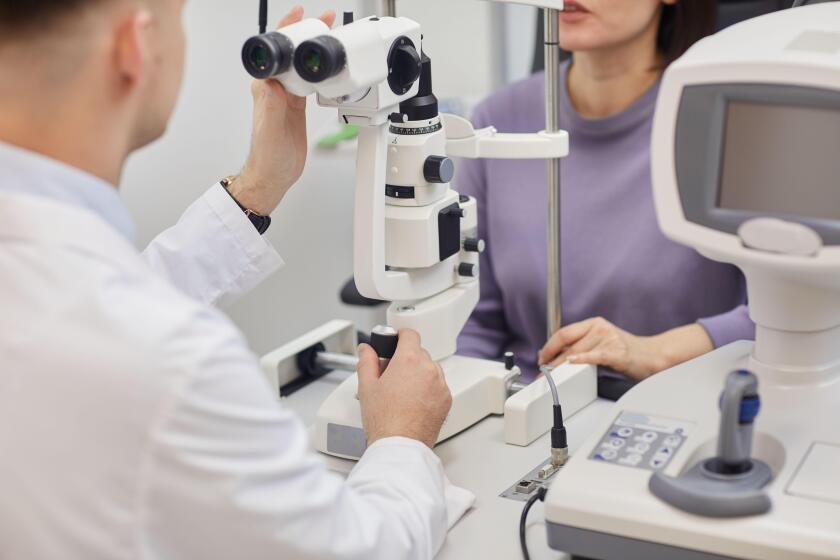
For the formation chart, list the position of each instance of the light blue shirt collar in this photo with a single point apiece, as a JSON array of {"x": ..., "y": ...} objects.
[{"x": 27, "y": 172}]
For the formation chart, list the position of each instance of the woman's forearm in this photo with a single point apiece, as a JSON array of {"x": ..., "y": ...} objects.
[{"x": 682, "y": 344}]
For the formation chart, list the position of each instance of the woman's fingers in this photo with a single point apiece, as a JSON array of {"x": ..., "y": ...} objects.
[
  {"x": 563, "y": 338},
  {"x": 598, "y": 357},
  {"x": 587, "y": 343}
]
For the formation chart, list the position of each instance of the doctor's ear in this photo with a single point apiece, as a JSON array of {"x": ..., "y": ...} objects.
[{"x": 133, "y": 54}]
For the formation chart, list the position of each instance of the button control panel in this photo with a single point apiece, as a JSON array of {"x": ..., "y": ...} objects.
[{"x": 641, "y": 441}]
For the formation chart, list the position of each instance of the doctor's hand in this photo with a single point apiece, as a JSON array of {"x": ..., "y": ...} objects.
[
  {"x": 278, "y": 141},
  {"x": 409, "y": 399},
  {"x": 599, "y": 342}
]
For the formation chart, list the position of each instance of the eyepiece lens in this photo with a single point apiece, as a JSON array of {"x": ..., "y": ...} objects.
[
  {"x": 260, "y": 57},
  {"x": 267, "y": 55},
  {"x": 312, "y": 61}
]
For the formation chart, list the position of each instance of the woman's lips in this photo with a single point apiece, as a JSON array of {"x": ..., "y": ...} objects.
[{"x": 573, "y": 12}]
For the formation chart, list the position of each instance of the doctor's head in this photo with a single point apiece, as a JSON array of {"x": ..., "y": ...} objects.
[
  {"x": 113, "y": 63},
  {"x": 667, "y": 28}
]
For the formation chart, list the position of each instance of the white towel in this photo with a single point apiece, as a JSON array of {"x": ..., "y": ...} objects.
[{"x": 458, "y": 502}]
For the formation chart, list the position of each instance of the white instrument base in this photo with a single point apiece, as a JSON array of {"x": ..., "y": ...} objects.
[
  {"x": 605, "y": 502},
  {"x": 479, "y": 388}
]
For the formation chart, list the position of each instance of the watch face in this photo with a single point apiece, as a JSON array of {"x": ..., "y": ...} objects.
[{"x": 260, "y": 222}]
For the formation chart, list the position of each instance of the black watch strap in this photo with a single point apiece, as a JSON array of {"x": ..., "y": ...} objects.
[{"x": 261, "y": 223}]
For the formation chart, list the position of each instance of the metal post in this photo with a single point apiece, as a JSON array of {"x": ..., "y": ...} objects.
[
  {"x": 333, "y": 361},
  {"x": 552, "y": 124},
  {"x": 389, "y": 8}
]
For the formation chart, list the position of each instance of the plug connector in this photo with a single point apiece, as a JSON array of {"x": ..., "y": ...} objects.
[{"x": 559, "y": 442}]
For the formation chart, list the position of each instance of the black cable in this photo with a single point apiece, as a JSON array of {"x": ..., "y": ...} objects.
[
  {"x": 263, "y": 16},
  {"x": 538, "y": 495}
]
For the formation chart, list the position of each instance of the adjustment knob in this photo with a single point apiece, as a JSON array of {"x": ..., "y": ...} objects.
[
  {"x": 454, "y": 211},
  {"x": 403, "y": 66},
  {"x": 510, "y": 361},
  {"x": 384, "y": 341},
  {"x": 438, "y": 169},
  {"x": 468, "y": 270},
  {"x": 473, "y": 245}
]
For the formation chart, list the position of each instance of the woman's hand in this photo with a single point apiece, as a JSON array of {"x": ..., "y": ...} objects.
[
  {"x": 278, "y": 142},
  {"x": 599, "y": 342}
]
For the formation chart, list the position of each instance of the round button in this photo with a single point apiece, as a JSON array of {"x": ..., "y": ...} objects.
[
  {"x": 468, "y": 270},
  {"x": 641, "y": 447},
  {"x": 616, "y": 443},
  {"x": 473, "y": 245},
  {"x": 625, "y": 432},
  {"x": 673, "y": 441},
  {"x": 438, "y": 169},
  {"x": 649, "y": 436},
  {"x": 609, "y": 454}
]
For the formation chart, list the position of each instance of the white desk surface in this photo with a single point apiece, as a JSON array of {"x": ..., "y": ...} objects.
[{"x": 479, "y": 460}]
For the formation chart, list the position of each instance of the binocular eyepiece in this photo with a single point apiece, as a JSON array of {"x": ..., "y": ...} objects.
[
  {"x": 320, "y": 59},
  {"x": 272, "y": 54},
  {"x": 268, "y": 55},
  {"x": 309, "y": 57}
]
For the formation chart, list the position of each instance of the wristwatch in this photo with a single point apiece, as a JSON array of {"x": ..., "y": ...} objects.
[{"x": 260, "y": 222}]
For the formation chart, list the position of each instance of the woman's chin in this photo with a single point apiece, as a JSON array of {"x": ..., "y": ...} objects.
[{"x": 581, "y": 43}]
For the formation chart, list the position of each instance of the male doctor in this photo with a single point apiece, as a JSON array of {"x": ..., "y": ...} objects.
[{"x": 134, "y": 421}]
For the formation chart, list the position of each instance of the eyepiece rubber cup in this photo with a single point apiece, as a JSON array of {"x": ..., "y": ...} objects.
[
  {"x": 320, "y": 59},
  {"x": 267, "y": 55}
]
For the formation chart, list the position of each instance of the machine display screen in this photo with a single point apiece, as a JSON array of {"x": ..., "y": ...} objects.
[{"x": 781, "y": 159}]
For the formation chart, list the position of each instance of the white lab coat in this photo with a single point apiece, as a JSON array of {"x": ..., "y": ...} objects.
[{"x": 135, "y": 423}]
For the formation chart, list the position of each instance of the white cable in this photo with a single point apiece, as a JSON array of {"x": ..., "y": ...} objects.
[{"x": 546, "y": 371}]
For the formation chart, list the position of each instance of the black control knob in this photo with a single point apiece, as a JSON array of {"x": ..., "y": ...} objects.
[
  {"x": 510, "y": 361},
  {"x": 404, "y": 65},
  {"x": 468, "y": 270},
  {"x": 454, "y": 211},
  {"x": 438, "y": 169},
  {"x": 473, "y": 245},
  {"x": 384, "y": 341}
]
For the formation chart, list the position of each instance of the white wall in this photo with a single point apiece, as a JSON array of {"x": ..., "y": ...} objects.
[
  {"x": 519, "y": 25},
  {"x": 209, "y": 138}
]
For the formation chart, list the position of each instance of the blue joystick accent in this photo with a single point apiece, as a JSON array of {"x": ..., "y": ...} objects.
[{"x": 749, "y": 409}]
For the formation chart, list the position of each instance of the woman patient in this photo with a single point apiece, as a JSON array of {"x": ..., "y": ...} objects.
[{"x": 633, "y": 301}]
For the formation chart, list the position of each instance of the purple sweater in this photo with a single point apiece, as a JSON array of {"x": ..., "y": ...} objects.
[{"x": 616, "y": 263}]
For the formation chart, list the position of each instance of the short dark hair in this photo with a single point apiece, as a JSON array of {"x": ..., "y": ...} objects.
[
  {"x": 23, "y": 15},
  {"x": 683, "y": 24}
]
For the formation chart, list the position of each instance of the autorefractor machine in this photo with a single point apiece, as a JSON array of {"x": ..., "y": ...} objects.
[{"x": 735, "y": 454}]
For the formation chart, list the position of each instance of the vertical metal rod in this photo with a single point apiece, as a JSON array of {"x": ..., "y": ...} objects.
[
  {"x": 552, "y": 124},
  {"x": 389, "y": 8}
]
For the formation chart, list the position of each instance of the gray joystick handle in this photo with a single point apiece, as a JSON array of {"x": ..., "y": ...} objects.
[
  {"x": 739, "y": 406},
  {"x": 384, "y": 341}
]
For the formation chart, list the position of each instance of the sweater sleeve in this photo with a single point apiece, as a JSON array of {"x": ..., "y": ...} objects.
[{"x": 728, "y": 327}]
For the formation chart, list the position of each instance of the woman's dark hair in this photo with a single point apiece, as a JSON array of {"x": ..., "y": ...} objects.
[{"x": 683, "y": 24}]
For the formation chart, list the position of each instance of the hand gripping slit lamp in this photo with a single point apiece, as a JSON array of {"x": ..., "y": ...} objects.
[{"x": 415, "y": 238}]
